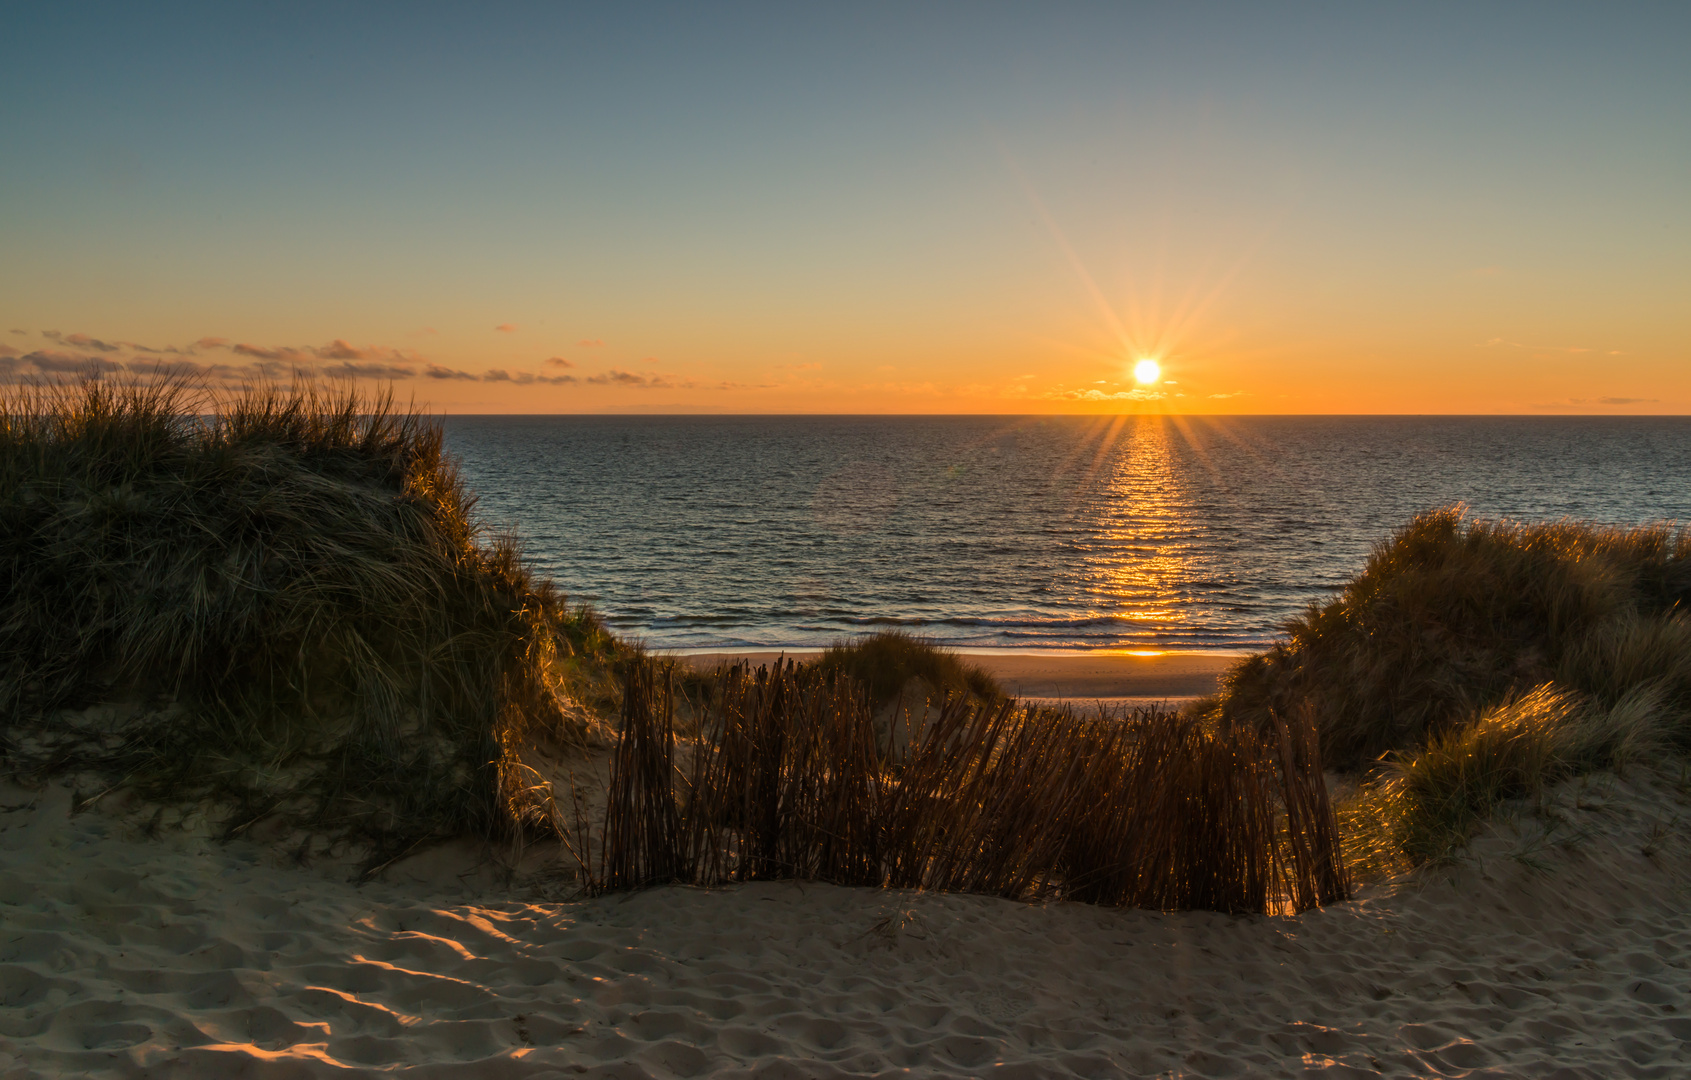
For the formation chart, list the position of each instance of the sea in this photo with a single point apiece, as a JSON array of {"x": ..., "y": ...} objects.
[{"x": 1019, "y": 532}]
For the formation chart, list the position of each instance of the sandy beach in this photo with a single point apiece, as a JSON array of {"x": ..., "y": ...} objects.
[
  {"x": 1085, "y": 679},
  {"x": 1565, "y": 954}
]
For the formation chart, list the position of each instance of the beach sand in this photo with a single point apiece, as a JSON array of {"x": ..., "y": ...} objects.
[
  {"x": 1084, "y": 679},
  {"x": 1567, "y": 955}
]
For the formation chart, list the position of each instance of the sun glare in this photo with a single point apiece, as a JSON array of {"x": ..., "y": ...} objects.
[{"x": 1147, "y": 371}]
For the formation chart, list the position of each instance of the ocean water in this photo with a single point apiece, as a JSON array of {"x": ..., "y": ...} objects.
[{"x": 1019, "y": 532}]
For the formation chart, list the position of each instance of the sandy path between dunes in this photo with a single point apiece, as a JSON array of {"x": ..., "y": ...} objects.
[
  {"x": 1081, "y": 678},
  {"x": 179, "y": 957}
]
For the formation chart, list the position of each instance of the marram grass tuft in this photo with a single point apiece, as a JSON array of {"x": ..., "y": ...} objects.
[
  {"x": 1452, "y": 616},
  {"x": 290, "y": 592}
]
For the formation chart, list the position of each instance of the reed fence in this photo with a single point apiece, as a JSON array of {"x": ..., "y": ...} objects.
[{"x": 790, "y": 778}]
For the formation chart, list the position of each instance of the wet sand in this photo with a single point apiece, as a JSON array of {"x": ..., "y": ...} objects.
[{"x": 1080, "y": 678}]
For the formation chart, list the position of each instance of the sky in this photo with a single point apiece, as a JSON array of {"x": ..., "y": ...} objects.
[{"x": 859, "y": 208}]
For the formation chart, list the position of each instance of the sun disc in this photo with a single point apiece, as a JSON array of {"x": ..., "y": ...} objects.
[{"x": 1147, "y": 371}]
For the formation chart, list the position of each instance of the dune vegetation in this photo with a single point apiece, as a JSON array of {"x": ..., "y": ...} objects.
[
  {"x": 1473, "y": 662},
  {"x": 884, "y": 663},
  {"x": 276, "y": 600},
  {"x": 789, "y": 778},
  {"x": 279, "y": 603}
]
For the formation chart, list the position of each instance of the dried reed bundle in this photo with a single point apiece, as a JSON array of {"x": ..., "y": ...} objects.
[{"x": 789, "y": 780}]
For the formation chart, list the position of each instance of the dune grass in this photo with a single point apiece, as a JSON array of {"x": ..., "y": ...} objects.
[
  {"x": 290, "y": 591},
  {"x": 1452, "y": 615},
  {"x": 1473, "y": 662},
  {"x": 884, "y": 663},
  {"x": 787, "y": 780},
  {"x": 288, "y": 599}
]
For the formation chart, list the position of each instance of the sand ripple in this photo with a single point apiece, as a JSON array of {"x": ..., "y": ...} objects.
[{"x": 181, "y": 958}]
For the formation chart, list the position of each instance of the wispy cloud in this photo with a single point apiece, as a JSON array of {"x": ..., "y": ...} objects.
[
  {"x": 192, "y": 368},
  {"x": 1232, "y": 394},
  {"x": 1094, "y": 394},
  {"x": 1505, "y": 343},
  {"x": 83, "y": 341},
  {"x": 259, "y": 352},
  {"x": 369, "y": 370},
  {"x": 629, "y": 378},
  {"x": 1583, "y": 403},
  {"x": 435, "y": 371},
  {"x": 83, "y": 354},
  {"x": 524, "y": 378},
  {"x": 506, "y": 328},
  {"x": 340, "y": 350},
  {"x": 63, "y": 363}
]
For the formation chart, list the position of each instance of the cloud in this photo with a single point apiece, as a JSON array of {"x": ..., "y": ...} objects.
[
  {"x": 524, "y": 378},
  {"x": 1136, "y": 394},
  {"x": 1492, "y": 343},
  {"x": 7, "y": 350},
  {"x": 629, "y": 378},
  {"x": 23, "y": 333},
  {"x": 1235, "y": 393},
  {"x": 1579, "y": 402},
  {"x": 506, "y": 328},
  {"x": 373, "y": 370},
  {"x": 211, "y": 343},
  {"x": 590, "y": 343},
  {"x": 558, "y": 361},
  {"x": 191, "y": 368},
  {"x": 259, "y": 352},
  {"x": 435, "y": 371},
  {"x": 70, "y": 363},
  {"x": 83, "y": 341},
  {"x": 339, "y": 350}
]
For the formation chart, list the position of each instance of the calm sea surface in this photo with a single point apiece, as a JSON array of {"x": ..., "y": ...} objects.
[{"x": 1019, "y": 532}]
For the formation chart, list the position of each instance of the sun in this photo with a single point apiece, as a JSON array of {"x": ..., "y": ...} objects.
[{"x": 1147, "y": 371}]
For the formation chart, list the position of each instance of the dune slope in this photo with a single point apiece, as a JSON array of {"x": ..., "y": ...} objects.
[{"x": 1565, "y": 953}]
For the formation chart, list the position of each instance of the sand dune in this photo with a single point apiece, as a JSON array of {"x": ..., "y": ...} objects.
[{"x": 1563, "y": 955}]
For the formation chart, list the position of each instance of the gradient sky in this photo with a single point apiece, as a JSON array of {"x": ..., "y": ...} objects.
[{"x": 868, "y": 208}]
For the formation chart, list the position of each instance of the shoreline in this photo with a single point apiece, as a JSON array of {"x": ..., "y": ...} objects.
[{"x": 1111, "y": 678}]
